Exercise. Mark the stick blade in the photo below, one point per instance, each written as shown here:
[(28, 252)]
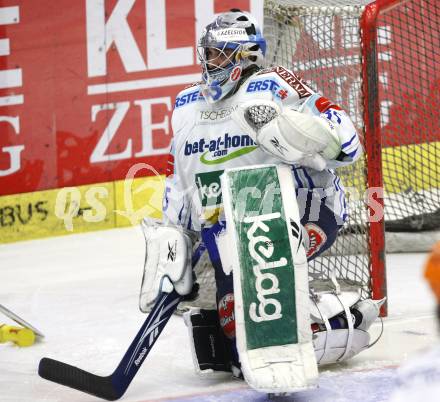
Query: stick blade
[(73, 377)]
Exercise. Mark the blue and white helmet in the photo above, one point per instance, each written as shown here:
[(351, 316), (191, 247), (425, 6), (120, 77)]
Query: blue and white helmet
[(234, 41)]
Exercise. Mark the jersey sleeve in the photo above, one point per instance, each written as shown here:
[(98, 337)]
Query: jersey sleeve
[(351, 148), (177, 206)]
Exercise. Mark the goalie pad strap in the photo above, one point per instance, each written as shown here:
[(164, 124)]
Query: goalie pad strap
[(350, 329), (328, 330), (342, 319), (337, 345)]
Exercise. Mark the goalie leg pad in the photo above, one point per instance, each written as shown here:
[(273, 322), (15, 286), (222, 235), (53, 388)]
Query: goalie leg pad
[(274, 338), (331, 346), (211, 351), (340, 321)]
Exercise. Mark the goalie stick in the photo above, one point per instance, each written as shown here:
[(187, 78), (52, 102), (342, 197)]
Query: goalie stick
[(112, 387)]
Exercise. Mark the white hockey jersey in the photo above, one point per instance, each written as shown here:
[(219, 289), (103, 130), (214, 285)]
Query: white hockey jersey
[(207, 141)]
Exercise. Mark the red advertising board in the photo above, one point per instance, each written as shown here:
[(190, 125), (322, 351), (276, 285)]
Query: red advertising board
[(87, 87)]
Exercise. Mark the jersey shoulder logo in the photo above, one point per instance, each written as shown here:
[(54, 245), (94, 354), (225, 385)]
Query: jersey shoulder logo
[(186, 97), (293, 80)]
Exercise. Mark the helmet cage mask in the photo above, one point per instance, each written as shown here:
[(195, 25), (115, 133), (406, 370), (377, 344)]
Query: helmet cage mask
[(218, 67), (245, 47)]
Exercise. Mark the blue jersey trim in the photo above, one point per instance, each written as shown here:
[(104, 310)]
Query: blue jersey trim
[(346, 144), (351, 154), (297, 178), (180, 212), (309, 178)]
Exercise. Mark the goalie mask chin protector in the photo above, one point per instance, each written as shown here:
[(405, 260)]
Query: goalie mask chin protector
[(227, 47)]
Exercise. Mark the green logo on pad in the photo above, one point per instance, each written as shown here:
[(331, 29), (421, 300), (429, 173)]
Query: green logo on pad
[(267, 271)]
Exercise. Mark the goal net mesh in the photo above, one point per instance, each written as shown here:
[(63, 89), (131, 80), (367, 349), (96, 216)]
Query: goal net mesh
[(322, 42)]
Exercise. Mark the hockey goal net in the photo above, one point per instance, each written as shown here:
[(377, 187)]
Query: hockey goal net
[(380, 61)]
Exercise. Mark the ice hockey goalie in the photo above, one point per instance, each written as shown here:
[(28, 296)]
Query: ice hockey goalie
[(251, 175)]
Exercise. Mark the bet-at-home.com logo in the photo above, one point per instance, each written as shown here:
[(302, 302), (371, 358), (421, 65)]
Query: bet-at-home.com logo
[(220, 150)]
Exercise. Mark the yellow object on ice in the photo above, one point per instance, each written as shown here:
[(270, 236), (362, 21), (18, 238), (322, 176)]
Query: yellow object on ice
[(18, 335)]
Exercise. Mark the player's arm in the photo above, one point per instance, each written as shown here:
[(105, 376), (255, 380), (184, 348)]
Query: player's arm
[(169, 241), (347, 136), (297, 131), (176, 205)]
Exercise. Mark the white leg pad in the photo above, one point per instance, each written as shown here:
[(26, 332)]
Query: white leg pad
[(281, 369), (272, 308)]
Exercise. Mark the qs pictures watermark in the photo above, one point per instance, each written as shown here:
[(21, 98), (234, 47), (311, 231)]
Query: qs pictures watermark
[(133, 198)]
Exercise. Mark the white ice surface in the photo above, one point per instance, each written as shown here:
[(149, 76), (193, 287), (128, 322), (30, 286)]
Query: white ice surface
[(82, 292)]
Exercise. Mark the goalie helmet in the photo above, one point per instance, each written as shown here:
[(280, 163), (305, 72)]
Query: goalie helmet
[(229, 46)]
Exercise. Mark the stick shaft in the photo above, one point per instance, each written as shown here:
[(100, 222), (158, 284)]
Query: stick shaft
[(8, 313), (114, 386)]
